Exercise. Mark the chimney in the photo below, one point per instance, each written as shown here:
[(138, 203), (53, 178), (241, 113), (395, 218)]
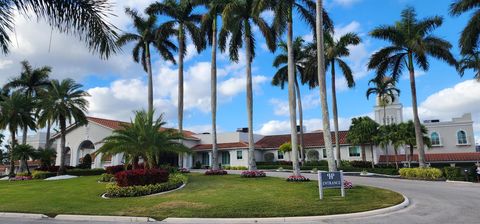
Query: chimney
[(242, 130)]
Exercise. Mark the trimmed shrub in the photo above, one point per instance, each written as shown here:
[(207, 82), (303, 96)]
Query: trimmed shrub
[(297, 179), (361, 164), (421, 173), (141, 177), (316, 163), (168, 168), (453, 173), (114, 169), (197, 165), (215, 172), (23, 174), (253, 174), (174, 182), (106, 177), (84, 172), (277, 163), (235, 168), (53, 168), (86, 162), (37, 174)]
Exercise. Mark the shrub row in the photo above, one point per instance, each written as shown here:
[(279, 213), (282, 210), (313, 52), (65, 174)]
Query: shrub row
[(114, 169), (106, 177), (277, 163), (85, 172), (175, 181), (141, 177), (37, 174), (253, 174), (297, 179), (235, 168), (215, 172), (53, 168), (421, 173)]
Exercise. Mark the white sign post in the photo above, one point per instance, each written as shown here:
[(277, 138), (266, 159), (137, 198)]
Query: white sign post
[(330, 180)]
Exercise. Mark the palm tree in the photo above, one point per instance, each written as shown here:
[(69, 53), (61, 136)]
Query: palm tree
[(209, 28), (362, 132), (46, 112), (281, 76), (327, 135), (386, 92), (470, 61), (15, 112), (407, 130), (239, 17), (46, 157), (184, 23), (471, 33), (335, 50), (24, 152), (31, 82), (69, 103), (144, 137), (85, 19), (383, 139), (148, 33), (412, 42), (396, 136)]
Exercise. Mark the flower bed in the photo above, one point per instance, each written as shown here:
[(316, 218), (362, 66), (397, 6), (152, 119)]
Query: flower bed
[(253, 174), (174, 182), (141, 177), (297, 179), (21, 178), (347, 184), (215, 172)]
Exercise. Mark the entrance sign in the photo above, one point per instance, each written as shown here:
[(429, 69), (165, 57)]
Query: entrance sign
[(330, 180)]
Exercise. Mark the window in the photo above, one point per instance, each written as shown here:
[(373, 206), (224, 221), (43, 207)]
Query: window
[(461, 138), (205, 159), (225, 157), (280, 155), (354, 151), (435, 138), (324, 153), (239, 154)]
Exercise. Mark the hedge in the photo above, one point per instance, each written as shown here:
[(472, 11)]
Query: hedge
[(37, 174), (141, 177), (174, 182), (114, 169), (235, 168), (421, 173), (85, 172)]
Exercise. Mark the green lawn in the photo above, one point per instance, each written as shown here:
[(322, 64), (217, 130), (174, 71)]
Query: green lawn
[(204, 196)]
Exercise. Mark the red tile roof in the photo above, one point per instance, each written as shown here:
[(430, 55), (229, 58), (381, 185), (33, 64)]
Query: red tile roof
[(438, 157), (230, 145), (313, 139)]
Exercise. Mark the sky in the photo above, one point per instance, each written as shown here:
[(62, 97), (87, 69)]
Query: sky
[(118, 85)]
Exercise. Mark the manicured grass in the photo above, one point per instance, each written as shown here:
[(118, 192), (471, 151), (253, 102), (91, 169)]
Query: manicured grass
[(204, 196)]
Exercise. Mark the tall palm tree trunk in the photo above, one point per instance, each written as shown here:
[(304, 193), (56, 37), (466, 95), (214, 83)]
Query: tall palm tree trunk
[(396, 154), (364, 157), (248, 54), (150, 78), (22, 161), (181, 38), (213, 92), (321, 81), (48, 142), (373, 157), (291, 96), (61, 169), (300, 120), (11, 172), (416, 119), (335, 115), (411, 156), (385, 123)]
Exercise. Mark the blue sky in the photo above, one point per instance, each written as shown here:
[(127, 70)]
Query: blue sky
[(117, 86)]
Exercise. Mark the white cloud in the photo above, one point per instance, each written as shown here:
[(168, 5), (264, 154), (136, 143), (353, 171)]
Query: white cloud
[(418, 73), (345, 3), (283, 126), (281, 108)]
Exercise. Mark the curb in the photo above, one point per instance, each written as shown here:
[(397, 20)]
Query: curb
[(459, 182), (382, 211), (87, 218), (22, 215)]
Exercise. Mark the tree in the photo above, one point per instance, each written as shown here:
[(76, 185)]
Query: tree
[(362, 132), (397, 139), (46, 112), (184, 23), (327, 136), (148, 34), (470, 61), (386, 92), (412, 42), (383, 139), (335, 50), (24, 152), (69, 103), (15, 112), (470, 37), (46, 157), (144, 137), (239, 17), (86, 19), (408, 135), (209, 28), (281, 76), (86, 162)]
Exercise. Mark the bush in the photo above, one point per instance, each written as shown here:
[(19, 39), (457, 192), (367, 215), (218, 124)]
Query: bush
[(37, 174), (253, 174), (277, 163), (106, 177), (361, 164), (347, 184), (84, 172), (198, 165), (345, 163), (114, 169), (168, 168), (235, 168), (53, 168), (175, 181), (86, 162), (23, 174), (141, 177), (215, 172), (316, 163), (297, 179), (453, 173), (421, 173)]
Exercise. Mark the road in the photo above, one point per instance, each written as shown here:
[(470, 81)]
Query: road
[(430, 202)]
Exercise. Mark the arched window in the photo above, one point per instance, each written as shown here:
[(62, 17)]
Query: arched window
[(435, 138), (461, 137)]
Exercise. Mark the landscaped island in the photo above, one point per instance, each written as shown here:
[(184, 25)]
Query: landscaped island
[(203, 196)]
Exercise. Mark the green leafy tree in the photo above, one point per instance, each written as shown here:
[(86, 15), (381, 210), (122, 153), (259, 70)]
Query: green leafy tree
[(411, 43), (238, 19), (408, 134), (470, 61), (148, 34), (86, 19), (46, 157), (362, 132), (24, 152), (470, 37), (144, 137), (15, 112), (70, 104)]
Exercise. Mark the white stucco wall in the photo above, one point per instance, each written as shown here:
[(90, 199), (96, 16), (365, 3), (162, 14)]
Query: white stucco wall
[(448, 135)]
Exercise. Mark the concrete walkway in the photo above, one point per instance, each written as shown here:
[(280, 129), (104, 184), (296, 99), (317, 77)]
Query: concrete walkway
[(430, 202)]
